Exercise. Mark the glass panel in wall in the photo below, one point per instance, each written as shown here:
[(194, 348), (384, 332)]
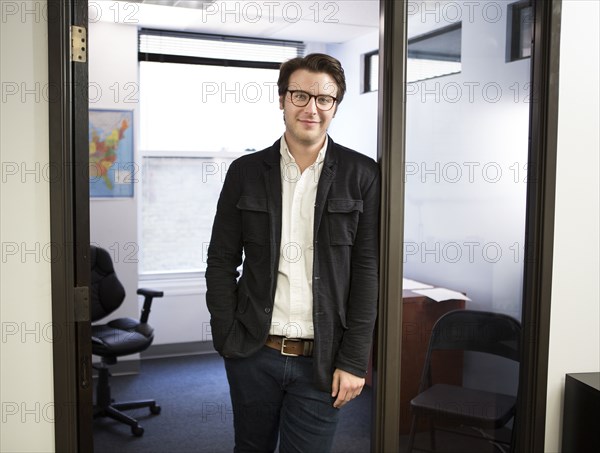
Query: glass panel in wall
[(466, 162)]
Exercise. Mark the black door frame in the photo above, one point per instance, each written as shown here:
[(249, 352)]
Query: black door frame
[(539, 225), (391, 156), (69, 202), (69, 229)]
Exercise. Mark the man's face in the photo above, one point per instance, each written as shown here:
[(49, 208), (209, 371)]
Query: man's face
[(308, 125)]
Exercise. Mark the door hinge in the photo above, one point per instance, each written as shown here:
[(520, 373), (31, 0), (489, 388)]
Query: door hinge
[(78, 44), (84, 371), (82, 303)]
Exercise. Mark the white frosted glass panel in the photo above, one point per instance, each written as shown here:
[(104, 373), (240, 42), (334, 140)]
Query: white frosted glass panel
[(466, 164)]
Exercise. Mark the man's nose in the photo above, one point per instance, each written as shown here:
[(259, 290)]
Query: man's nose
[(311, 106)]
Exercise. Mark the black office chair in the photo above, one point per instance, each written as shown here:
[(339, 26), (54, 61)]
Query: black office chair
[(458, 406), (119, 337)]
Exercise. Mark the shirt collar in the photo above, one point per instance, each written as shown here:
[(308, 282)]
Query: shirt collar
[(287, 157)]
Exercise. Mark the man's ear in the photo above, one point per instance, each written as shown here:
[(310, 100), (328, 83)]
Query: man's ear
[(281, 101)]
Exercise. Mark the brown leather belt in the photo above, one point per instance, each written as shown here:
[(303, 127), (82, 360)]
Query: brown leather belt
[(291, 346)]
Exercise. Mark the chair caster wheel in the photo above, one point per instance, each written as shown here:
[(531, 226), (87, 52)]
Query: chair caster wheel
[(137, 431), (155, 410)]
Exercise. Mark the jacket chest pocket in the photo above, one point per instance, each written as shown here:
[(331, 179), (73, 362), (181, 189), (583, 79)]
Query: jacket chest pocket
[(255, 220), (343, 218)]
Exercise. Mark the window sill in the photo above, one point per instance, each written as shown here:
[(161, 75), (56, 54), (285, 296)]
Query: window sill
[(175, 283)]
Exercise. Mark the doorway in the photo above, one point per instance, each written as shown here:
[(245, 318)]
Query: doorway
[(182, 157), (391, 138)]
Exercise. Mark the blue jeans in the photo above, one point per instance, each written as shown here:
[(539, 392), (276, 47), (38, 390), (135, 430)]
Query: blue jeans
[(274, 396)]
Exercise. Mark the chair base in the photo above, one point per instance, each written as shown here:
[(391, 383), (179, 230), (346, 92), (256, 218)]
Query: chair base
[(106, 407)]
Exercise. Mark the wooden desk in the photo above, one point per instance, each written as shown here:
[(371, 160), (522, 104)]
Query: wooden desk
[(419, 314)]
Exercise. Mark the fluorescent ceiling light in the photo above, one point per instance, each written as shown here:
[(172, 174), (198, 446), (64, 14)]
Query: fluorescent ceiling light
[(193, 4)]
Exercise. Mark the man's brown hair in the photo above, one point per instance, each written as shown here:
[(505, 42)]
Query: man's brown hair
[(314, 62)]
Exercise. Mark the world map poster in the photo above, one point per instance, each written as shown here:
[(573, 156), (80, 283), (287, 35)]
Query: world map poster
[(111, 168)]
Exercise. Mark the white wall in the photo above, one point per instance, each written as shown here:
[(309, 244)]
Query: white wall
[(355, 123), (113, 81), (26, 384), (575, 315)]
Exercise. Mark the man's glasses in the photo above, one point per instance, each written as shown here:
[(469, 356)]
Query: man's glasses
[(302, 98)]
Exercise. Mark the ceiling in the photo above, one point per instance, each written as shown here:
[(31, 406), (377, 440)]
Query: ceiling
[(302, 20)]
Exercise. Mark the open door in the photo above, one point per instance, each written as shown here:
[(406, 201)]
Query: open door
[(69, 187)]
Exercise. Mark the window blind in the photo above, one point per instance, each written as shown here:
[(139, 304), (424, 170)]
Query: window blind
[(225, 49)]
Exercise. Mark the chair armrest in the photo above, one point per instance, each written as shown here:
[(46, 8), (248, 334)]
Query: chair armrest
[(150, 292), (149, 295)]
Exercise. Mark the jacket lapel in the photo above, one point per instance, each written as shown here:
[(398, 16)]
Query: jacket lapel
[(327, 177), (272, 180)]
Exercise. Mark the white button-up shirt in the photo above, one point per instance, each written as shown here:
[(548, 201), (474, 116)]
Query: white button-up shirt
[(292, 311)]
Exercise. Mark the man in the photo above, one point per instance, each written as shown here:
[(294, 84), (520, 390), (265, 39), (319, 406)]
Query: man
[(296, 328)]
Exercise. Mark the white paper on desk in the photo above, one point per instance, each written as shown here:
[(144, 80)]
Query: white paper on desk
[(441, 294), (407, 283)]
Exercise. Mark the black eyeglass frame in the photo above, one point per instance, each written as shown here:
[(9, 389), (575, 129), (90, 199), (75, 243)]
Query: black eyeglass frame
[(310, 96)]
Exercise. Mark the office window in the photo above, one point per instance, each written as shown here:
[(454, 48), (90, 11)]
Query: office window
[(434, 54), (370, 71), (519, 30), (220, 50), (178, 204), (195, 118)]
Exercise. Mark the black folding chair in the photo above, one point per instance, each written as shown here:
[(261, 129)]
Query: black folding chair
[(452, 405)]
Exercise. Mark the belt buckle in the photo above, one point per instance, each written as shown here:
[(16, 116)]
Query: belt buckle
[(283, 340)]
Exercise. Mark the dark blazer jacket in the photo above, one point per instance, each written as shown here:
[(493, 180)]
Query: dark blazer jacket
[(345, 268)]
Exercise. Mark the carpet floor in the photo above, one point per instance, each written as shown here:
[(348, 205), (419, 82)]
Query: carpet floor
[(196, 411), (196, 414)]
